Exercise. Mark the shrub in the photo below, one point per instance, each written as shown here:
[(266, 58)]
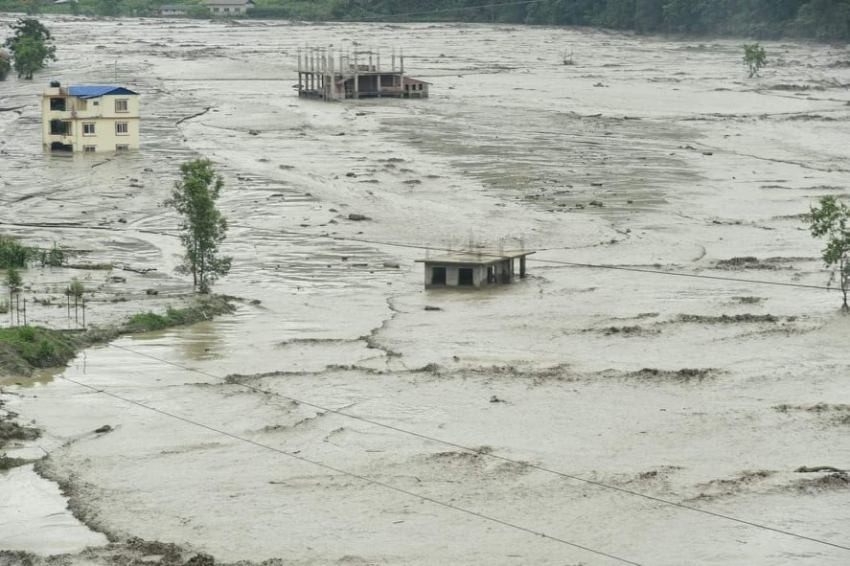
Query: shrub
[(13, 253), (39, 347), (147, 322)]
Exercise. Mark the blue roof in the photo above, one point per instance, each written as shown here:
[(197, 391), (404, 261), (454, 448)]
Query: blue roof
[(94, 91)]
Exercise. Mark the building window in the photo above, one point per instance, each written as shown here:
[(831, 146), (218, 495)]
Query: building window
[(122, 147), (82, 104), (88, 128), (89, 148), (60, 128), (57, 104), (96, 103), (122, 128), (438, 276), (121, 105)]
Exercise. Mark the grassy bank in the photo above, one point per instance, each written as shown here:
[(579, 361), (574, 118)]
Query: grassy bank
[(26, 349)]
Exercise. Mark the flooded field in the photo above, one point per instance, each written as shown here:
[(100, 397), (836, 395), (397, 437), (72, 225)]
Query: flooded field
[(626, 416)]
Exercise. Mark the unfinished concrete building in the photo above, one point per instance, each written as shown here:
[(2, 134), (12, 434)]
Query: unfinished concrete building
[(475, 269), (327, 75)]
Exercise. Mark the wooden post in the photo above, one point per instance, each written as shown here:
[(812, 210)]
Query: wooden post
[(300, 84), (522, 267)]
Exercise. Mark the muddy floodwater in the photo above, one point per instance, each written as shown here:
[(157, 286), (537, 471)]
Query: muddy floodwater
[(329, 420)]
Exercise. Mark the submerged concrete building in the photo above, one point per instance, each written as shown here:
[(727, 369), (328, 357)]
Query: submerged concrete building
[(474, 269), (89, 118), (325, 75)]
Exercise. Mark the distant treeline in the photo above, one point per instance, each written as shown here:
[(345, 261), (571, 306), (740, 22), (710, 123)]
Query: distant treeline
[(827, 20)]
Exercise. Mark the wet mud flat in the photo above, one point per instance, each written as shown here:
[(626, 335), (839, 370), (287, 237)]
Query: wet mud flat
[(352, 417)]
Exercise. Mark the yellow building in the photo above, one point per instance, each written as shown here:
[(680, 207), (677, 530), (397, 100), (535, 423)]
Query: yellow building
[(90, 118)]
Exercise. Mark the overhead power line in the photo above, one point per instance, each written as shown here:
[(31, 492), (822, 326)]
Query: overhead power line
[(600, 265), (493, 455), (355, 475), (545, 261)]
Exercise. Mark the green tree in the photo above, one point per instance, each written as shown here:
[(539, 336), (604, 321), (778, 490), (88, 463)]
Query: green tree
[(31, 47), (203, 228), (108, 7), (75, 288), (13, 281), (831, 221), (30, 57), (5, 65), (28, 27), (649, 15), (755, 57), (32, 7)]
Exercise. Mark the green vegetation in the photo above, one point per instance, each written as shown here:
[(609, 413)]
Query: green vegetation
[(202, 228), (35, 347), (831, 221), (202, 310), (5, 65), (31, 47), (75, 289), (54, 257), (13, 280), (26, 348), (826, 20), (755, 57), (13, 253)]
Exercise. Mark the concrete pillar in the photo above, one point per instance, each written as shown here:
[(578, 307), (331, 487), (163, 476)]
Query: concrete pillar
[(401, 70), (379, 73), (312, 70), (300, 78), (332, 89), (356, 77)]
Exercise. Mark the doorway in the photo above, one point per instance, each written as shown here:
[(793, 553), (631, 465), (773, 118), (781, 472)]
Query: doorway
[(464, 277), (438, 276)]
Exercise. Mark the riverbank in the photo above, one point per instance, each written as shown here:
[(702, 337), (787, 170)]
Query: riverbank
[(26, 349)]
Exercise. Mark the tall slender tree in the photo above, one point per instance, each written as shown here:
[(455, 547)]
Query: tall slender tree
[(203, 228), (831, 221)]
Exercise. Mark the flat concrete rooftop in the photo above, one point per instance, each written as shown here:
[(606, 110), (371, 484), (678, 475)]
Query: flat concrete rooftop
[(483, 257)]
